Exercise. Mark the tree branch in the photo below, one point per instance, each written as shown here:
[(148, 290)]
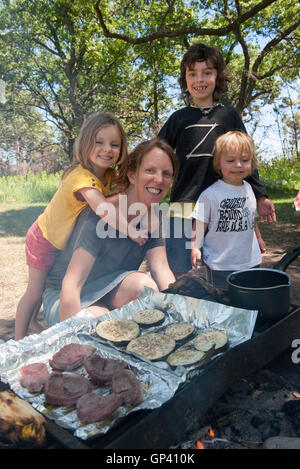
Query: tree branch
[(179, 32), (169, 9), (273, 43)]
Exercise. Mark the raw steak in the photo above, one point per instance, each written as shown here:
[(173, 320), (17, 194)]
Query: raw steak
[(34, 376), (125, 383), (71, 356), (65, 389), (101, 369), (92, 408)]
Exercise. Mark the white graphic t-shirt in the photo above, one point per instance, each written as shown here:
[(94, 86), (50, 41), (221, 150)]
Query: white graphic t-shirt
[(230, 242)]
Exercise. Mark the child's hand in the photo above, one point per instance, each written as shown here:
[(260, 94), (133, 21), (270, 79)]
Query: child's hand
[(262, 245), (196, 258)]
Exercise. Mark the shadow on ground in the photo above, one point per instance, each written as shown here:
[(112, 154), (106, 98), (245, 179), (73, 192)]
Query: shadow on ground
[(15, 222), (7, 329)]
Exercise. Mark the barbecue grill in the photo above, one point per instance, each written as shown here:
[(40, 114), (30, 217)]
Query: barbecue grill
[(168, 424)]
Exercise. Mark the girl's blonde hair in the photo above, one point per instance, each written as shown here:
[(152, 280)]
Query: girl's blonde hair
[(237, 140), (86, 141)]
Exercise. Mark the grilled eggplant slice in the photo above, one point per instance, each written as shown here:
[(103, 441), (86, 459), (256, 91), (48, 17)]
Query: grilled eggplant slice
[(180, 331), (185, 356), (149, 317), (118, 330), (152, 346), (205, 340)]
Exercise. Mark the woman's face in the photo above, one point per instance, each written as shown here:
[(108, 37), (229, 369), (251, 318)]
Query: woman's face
[(153, 178)]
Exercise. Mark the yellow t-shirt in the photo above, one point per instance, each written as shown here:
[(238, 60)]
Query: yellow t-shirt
[(59, 217), (181, 209)]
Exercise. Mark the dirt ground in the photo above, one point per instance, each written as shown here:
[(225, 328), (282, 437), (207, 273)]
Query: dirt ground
[(278, 237)]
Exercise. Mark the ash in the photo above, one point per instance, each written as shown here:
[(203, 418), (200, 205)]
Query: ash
[(261, 411)]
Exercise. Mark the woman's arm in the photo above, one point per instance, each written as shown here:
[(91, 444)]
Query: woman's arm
[(77, 272), (159, 267)]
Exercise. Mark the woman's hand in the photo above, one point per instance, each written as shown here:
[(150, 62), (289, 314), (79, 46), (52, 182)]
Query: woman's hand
[(159, 267)]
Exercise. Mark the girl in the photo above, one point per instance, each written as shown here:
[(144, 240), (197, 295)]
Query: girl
[(100, 146), (192, 131), (227, 210), (101, 273)]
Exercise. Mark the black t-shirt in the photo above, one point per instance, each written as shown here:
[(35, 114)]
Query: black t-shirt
[(192, 135)]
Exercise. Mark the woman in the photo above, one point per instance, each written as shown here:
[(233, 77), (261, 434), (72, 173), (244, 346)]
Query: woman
[(101, 273)]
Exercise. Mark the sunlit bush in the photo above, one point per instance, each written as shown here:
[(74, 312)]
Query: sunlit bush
[(281, 174)]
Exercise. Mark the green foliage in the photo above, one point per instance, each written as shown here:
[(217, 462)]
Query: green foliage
[(67, 58), (281, 174), (31, 188)]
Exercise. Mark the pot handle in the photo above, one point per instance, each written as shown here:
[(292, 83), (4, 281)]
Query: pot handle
[(290, 255)]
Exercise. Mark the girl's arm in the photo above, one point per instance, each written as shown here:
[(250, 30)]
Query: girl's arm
[(159, 267), (94, 198), (77, 272)]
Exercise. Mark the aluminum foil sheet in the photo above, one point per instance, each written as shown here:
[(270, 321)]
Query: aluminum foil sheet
[(159, 381)]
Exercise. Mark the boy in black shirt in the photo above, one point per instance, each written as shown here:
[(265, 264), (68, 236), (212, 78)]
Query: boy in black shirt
[(192, 132)]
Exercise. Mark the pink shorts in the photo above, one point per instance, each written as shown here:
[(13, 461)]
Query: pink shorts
[(40, 254)]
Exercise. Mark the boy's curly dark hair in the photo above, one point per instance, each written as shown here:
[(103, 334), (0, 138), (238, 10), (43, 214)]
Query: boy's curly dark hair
[(199, 52)]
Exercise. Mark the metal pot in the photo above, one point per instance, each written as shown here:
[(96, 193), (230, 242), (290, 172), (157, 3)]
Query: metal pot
[(265, 290)]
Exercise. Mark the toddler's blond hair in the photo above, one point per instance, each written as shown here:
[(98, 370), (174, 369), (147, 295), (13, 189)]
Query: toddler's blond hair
[(233, 139)]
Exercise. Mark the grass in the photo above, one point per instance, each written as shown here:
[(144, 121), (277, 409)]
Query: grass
[(284, 203), (17, 217), (23, 198), (33, 188)]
